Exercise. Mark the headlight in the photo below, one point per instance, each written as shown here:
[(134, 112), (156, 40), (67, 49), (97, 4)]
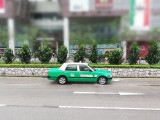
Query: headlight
[(110, 75)]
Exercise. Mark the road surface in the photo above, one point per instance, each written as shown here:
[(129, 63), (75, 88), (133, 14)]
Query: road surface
[(35, 98)]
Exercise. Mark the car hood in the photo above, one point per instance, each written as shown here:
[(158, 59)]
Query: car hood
[(103, 71), (53, 69)]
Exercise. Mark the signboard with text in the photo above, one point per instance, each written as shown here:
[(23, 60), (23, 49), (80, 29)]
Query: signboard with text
[(1, 51), (103, 4), (79, 5)]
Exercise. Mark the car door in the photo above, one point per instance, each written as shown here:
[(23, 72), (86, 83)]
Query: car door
[(86, 74), (72, 72)]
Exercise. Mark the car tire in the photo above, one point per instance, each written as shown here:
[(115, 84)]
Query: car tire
[(62, 80), (102, 80)]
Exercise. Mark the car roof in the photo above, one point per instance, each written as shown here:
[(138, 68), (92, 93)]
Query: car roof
[(76, 63)]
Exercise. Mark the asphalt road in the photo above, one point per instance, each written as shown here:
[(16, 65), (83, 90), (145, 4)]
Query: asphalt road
[(28, 98)]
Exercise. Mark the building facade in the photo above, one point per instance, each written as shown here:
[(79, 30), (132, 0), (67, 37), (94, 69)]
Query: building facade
[(46, 16), (109, 23), (11, 13)]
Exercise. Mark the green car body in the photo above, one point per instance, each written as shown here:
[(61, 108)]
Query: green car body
[(79, 72)]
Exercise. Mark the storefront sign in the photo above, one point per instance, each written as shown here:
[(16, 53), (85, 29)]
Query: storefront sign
[(103, 4), (101, 48), (79, 5), (2, 6), (1, 51)]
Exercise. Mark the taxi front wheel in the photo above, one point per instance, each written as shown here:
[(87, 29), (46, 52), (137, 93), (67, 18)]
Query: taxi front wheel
[(102, 80), (62, 80)]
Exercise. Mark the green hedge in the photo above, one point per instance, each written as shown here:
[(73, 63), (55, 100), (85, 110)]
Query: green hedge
[(92, 65), (29, 65), (121, 66)]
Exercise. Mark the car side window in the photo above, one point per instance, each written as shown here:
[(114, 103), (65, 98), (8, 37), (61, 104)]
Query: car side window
[(71, 68), (84, 68)]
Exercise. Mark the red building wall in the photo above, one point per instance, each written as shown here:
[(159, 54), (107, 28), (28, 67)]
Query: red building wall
[(143, 45)]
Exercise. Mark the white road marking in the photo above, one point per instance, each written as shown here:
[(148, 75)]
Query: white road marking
[(108, 93), (110, 108), (3, 105), (96, 93), (98, 108), (22, 84), (126, 93), (115, 80)]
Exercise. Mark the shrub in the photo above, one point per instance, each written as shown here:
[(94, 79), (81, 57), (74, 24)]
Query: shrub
[(153, 55), (92, 65), (44, 54), (62, 54), (79, 55), (115, 56), (94, 55), (8, 56), (24, 54), (30, 65), (134, 52)]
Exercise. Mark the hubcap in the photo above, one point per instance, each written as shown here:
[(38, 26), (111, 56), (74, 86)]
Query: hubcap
[(62, 80), (102, 80)]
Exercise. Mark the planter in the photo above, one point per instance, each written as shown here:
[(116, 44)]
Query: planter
[(116, 72)]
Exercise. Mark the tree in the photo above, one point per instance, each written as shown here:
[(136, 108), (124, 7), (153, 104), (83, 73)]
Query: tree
[(29, 33), (3, 36), (134, 53), (94, 55), (153, 55), (44, 54), (62, 54), (79, 55), (24, 54), (8, 56), (115, 56), (81, 35), (154, 33)]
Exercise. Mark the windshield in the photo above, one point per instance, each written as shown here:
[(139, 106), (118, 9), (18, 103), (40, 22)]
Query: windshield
[(92, 68)]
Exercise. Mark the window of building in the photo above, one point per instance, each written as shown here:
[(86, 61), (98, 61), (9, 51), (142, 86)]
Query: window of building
[(49, 16)]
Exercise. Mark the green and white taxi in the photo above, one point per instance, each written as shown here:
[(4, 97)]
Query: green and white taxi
[(79, 72)]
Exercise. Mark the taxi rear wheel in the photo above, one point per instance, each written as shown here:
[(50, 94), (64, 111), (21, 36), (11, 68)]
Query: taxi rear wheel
[(102, 80), (62, 80)]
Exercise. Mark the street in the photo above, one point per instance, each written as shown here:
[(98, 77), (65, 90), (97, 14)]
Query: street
[(36, 98)]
